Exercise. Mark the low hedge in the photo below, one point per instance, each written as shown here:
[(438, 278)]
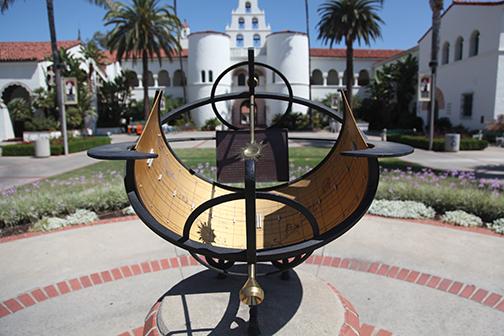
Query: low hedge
[(74, 145), (438, 144)]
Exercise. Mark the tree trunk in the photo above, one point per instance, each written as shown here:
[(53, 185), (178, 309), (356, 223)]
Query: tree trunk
[(57, 73), (181, 64), (145, 83), (349, 70)]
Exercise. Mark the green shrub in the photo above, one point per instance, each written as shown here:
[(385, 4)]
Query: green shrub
[(19, 109), (210, 124), (438, 144), (37, 124), (462, 218), (294, 121), (444, 197), (73, 118), (74, 145), (401, 209), (497, 226)]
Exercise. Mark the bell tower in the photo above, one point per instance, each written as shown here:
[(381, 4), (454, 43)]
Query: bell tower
[(248, 26)]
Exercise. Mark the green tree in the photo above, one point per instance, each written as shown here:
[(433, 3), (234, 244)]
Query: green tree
[(143, 30), (114, 101), (349, 21), (392, 92), (4, 6)]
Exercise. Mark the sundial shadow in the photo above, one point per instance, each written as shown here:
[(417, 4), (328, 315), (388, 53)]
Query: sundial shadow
[(206, 305)]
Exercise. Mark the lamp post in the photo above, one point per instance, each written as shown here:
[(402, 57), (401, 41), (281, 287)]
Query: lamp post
[(436, 7), (57, 67), (307, 16)]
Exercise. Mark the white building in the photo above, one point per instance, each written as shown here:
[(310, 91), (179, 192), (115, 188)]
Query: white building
[(23, 66), (470, 80), (209, 53)]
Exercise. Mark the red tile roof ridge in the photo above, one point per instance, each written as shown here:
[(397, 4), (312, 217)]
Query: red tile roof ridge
[(22, 51), (358, 53)]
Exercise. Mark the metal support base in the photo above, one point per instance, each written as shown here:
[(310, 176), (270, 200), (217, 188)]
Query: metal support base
[(253, 324), (221, 276), (285, 275)]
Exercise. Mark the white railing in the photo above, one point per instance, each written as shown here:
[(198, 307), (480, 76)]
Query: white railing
[(243, 52)]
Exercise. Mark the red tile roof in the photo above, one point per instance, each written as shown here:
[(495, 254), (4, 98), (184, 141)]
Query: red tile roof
[(30, 51), (110, 56), (358, 53)]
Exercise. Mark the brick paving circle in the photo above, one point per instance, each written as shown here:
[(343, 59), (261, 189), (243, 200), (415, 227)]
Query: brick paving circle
[(352, 326)]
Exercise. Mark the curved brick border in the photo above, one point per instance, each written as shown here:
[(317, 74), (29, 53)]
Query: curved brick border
[(66, 228), (351, 326), (480, 230), (27, 299), (439, 223), (466, 291)]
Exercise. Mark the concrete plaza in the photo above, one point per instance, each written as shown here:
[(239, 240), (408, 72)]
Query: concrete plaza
[(402, 278)]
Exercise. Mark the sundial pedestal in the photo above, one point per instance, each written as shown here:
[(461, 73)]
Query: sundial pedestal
[(204, 305)]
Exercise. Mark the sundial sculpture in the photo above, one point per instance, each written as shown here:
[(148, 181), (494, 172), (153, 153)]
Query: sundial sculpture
[(217, 224)]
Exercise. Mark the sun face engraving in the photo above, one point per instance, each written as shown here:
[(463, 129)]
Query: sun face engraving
[(206, 233)]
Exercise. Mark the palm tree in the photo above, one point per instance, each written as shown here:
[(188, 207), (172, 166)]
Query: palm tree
[(349, 21), (143, 30), (5, 4)]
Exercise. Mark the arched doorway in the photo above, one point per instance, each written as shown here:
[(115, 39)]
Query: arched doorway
[(13, 91), (241, 113)]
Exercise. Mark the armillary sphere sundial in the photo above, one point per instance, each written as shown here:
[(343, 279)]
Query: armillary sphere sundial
[(218, 224)]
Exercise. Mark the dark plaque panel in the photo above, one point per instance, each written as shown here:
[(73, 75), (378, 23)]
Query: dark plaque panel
[(273, 164)]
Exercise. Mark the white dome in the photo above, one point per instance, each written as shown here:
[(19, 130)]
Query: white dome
[(209, 56), (288, 52)]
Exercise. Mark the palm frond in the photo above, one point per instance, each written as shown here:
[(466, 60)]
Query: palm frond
[(5, 4)]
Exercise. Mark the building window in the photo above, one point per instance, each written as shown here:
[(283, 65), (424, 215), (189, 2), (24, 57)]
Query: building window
[(257, 41), (203, 76), (210, 76), (241, 79), (163, 78), (179, 78), (474, 44), (132, 79), (363, 78), (459, 48), (255, 23), (467, 105), (317, 78), (241, 23), (332, 77), (239, 41), (248, 7), (446, 53)]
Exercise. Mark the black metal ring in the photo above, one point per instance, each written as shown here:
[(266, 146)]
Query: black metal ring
[(225, 72), (241, 195), (214, 267)]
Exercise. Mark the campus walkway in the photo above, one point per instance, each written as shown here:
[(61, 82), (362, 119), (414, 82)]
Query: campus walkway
[(403, 278), (16, 171)]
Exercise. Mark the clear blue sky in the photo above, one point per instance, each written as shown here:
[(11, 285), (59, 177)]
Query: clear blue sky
[(26, 20)]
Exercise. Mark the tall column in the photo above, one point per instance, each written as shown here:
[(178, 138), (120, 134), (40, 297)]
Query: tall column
[(340, 79), (140, 83), (156, 83), (356, 80), (325, 78)]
